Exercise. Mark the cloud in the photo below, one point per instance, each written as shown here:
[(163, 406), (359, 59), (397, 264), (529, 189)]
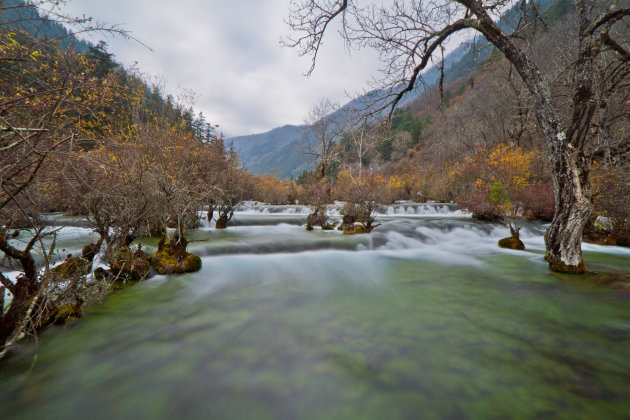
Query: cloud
[(228, 53)]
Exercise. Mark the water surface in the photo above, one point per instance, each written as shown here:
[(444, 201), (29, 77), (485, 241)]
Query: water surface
[(424, 318)]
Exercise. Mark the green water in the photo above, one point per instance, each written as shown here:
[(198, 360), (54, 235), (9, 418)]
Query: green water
[(392, 330)]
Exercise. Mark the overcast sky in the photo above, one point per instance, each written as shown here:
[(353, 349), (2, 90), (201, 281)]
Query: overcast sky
[(228, 53)]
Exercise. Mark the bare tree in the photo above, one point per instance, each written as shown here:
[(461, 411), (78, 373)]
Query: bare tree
[(47, 94), (407, 34), (323, 129), (364, 138)]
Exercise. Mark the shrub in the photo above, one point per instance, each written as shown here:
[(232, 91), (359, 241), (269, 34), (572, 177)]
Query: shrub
[(500, 182), (538, 201)]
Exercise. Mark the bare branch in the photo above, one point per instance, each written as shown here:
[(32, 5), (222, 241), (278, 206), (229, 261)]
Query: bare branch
[(311, 18), (607, 20)]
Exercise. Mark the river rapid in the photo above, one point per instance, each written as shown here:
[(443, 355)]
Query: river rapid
[(426, 317)]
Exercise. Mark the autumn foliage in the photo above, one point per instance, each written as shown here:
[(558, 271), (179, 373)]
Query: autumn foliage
[(502, 181)]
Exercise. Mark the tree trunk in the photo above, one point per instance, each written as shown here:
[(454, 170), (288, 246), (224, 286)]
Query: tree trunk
[(563, 238), (24, 290), (569, 166)]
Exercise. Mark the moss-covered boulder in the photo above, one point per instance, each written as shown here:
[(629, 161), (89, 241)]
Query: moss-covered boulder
[(134, 266), (191, 263), (100, 274), (358, 228), (512, 242), (89, 251), (318, 218), (67, 312), (221, 222), (329, 226), (168, 260), (347, 222), (607, 231), (72, 267)]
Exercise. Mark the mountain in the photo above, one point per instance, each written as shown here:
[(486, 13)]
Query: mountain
[(19, 13), (281, 150)]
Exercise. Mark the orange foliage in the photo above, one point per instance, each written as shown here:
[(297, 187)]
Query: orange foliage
[(271, 189)]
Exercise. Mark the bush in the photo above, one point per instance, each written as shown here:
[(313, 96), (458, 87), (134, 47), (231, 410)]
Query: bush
[(478, 202), (538, 201), (494, 184), (271, 189)]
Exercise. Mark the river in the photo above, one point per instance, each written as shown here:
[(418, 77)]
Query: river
[(426, 317)]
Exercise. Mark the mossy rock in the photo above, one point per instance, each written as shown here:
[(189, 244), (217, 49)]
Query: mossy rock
[(168, 262), (67, 312), (329, 226), (192, 263), (347, 223), (221, 223), (511, 243), (89, 251), (95, 293), (133, 266), (357, 229), (72, 267), (100, 274)]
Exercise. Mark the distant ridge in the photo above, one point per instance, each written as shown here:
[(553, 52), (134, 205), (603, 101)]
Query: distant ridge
[(281, 150), (276, 151), (29, 20)]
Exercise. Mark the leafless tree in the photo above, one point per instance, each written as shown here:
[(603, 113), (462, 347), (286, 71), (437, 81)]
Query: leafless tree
[(408, 34), (46, 93), (364, 137), (322, 131)]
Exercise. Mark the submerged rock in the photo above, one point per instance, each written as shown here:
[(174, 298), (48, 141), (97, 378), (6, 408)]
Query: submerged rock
[(170, 260), (72, 267), (328, 226), (318, 218), (222, 221), (347, 222), (67, 312), (358, 228), (512, 243), (134, 266)]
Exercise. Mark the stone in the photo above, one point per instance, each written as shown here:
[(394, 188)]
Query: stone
[(512, 243)]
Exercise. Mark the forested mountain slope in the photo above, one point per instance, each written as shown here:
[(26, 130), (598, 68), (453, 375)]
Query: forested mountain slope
[(15, 13), (281, 151)]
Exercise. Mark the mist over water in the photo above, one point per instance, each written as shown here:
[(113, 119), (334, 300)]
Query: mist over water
[(426, 317)]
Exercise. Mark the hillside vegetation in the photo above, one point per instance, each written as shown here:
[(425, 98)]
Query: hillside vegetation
[(475, 141), (85, 136)]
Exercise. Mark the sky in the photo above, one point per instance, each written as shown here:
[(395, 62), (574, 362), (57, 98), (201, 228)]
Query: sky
[(228, 53)]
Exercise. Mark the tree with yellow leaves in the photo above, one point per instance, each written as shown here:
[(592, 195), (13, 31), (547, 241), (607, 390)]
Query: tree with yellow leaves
[(47, 99)]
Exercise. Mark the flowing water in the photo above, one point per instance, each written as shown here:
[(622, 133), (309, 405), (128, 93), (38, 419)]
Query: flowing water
[(424, 318)]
